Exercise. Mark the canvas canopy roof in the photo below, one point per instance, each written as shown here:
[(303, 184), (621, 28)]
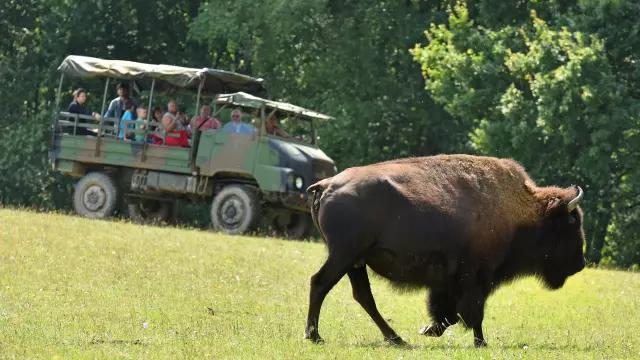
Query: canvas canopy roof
[(169, 78), (248, 100)]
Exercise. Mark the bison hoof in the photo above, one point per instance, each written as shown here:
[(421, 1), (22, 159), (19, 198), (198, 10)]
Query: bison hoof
[(479, 343), (396, 340), (432, 330), (314, 337)]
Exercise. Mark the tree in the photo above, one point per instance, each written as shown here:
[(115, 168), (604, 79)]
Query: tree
[(347, 59), (546, 96), (37, 36)]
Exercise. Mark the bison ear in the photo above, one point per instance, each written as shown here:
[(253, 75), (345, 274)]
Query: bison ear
[(555, 206), (563, 202), (557, 211)]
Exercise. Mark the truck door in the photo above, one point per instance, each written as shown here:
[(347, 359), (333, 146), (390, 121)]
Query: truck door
[(229, 151)]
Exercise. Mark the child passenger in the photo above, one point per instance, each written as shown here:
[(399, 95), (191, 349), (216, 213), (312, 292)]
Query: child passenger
[(130, 107), (141, 122)]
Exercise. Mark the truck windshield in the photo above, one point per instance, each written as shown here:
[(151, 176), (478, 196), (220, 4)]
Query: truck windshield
[(299, 129)]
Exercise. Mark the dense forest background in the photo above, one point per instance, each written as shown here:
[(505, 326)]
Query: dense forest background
[(550, 83)]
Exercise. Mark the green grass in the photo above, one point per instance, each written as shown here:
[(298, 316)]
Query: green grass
[(77, 288)]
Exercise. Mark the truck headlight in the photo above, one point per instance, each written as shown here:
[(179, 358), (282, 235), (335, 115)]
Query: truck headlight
[(299, 182)]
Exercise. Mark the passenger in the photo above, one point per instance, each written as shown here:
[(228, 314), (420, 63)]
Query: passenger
[(172, 123), (130, 108), (77, 107), (141, 124), (209, 122), (237, 126), (273, 129), (157, 117), (255, 117), (116, 106)]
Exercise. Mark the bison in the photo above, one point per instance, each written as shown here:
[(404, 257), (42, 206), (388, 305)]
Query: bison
[(459, 225)]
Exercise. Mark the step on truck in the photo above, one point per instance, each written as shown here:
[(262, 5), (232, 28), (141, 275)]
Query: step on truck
[(248, 171)]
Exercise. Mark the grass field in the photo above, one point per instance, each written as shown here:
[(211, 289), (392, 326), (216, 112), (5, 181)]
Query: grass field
[(77, 288)]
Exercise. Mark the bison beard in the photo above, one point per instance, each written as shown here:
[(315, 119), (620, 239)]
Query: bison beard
[(459, 225)]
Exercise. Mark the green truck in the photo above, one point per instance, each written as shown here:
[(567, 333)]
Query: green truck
[(249, 177)]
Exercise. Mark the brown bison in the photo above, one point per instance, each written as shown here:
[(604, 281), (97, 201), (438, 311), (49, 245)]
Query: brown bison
[(459, 225)]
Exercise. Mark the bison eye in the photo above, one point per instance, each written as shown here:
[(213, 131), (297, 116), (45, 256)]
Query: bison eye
[(572, 220)]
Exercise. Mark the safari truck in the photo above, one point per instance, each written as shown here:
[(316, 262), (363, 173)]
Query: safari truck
[(247, 178)]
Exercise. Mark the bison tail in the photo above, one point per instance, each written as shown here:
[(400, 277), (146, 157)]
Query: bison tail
[(317, 190)]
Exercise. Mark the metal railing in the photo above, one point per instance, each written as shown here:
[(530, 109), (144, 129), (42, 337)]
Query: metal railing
[(109, 131), (104, 130)]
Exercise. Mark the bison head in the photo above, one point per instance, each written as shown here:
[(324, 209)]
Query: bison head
[(562, 242)]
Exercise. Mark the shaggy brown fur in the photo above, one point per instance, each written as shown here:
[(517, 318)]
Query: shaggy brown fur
[(460, 225)]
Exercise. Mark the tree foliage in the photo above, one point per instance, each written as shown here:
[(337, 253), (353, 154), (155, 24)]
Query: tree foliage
[(348, 59), (550, 83), (547, 94)]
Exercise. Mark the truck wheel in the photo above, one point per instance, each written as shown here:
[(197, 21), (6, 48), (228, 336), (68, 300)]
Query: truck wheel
[(149, 211), (235, 210), (294, 226), (173, 213), (95, 196)]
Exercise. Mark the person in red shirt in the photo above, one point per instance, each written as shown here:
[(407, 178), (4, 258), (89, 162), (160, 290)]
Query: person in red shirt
[(209, 122)]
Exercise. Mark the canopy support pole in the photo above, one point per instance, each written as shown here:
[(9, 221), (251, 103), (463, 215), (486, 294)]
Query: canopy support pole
[(146, 128), (56, 117), (196, 134), (104, 103), (262, 120), (153, 84), (104, 96), (314, 132), (218, 111), (59, 92)]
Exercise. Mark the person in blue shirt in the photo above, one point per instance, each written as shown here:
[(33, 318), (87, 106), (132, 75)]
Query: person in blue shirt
[(237, 126), (130, 109), (116, 106)]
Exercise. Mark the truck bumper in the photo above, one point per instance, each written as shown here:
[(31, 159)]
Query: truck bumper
[(297, 201)]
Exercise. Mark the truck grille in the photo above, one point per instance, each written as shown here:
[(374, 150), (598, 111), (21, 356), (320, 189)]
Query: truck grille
[(322, 170)]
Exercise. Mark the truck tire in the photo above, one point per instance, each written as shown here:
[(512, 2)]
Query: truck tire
[(173, 212), (147, 211), (299, 227), (235, 210), (95, 196)]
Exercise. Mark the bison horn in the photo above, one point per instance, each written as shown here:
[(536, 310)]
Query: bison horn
[(573, 203)]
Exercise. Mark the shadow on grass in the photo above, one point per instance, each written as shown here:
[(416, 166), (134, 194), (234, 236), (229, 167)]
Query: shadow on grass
[(215, 312), (548, 347), (383, 344), (117, 342), (444, 346)]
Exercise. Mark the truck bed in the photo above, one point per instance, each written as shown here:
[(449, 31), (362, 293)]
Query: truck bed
[(120, 153)]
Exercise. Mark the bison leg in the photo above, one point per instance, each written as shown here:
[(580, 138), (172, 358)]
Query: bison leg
[(362, 294), (471, 309), (321, 283), (442, 308)]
